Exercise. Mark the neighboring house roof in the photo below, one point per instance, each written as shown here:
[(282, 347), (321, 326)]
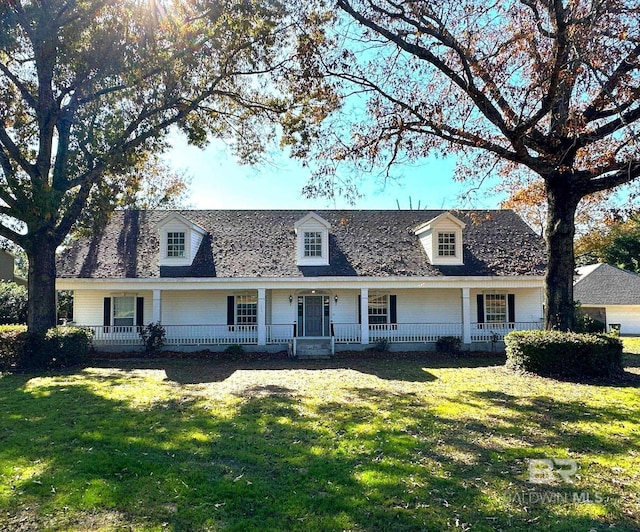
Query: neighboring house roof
[(603, 284), (241, 243)]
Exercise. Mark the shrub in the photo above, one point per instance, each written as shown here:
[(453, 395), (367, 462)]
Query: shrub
[(12, 339), (13, 303), (59, 347), (564, 353), (381, 346), (234, 349), (68, 345), (154, 336), (449, 344)]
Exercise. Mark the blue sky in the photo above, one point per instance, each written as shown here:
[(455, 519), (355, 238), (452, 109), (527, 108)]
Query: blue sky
[(219, 182)]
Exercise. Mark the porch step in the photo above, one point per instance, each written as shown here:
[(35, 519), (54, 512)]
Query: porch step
[(313, 348)]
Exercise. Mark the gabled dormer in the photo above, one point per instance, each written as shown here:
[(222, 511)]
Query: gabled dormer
[(312, 240), (179, 240), (441, 238)]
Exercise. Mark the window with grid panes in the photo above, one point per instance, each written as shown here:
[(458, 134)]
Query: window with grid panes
[(446, 244), (495, 308), (246, 309), (378, 309), (312, 244), (175, 244)]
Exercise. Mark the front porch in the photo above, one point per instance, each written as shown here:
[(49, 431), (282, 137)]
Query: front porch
[(411, 317)]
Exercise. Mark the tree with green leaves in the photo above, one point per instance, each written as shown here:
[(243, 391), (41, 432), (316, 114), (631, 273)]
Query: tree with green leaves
[(617, 243), (88, 89), (548, 87)]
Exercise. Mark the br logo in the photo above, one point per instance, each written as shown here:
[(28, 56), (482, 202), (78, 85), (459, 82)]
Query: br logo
[(548, 470)]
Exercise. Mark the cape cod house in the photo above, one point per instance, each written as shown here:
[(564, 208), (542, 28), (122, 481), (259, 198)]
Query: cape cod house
[(322, 280)]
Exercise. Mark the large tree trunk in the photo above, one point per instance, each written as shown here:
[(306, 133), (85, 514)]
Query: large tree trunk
[(559, 305), (42, 285)]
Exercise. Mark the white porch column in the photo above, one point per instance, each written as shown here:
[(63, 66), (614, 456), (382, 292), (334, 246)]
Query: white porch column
[(466, 317), (157, 306), (364, 316), (262, 317)]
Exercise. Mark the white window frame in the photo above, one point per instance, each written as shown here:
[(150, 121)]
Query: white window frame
[(447, 244), (131, 311), (176, 249), (379, 304), (494, 307), (246, 307), (312, 244)]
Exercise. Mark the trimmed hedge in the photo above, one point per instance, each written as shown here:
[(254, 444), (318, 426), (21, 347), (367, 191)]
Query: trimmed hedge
[(12, 340), (59, 347), (556, 353)]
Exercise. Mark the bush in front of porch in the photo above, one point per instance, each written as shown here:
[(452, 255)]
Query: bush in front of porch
[(567, 354), (59, 347)]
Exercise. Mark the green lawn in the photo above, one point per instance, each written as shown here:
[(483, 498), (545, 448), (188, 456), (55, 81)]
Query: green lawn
[(417, 443), (631, 345)]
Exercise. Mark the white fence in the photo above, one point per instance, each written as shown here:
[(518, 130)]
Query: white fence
[(495, 332), (347, 333), (279, 333), (343, 333), (178, 335), (413, 332)]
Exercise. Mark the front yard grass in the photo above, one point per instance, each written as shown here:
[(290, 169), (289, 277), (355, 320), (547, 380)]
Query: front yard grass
[(631, 344), (407, 443)]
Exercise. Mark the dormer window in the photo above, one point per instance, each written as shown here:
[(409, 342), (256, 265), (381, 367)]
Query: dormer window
[(441, 238), (446, 244), (312, 244), (175, 244), (180, 240), (312, 240)]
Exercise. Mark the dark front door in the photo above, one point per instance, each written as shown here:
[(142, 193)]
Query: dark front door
[(313, 315)]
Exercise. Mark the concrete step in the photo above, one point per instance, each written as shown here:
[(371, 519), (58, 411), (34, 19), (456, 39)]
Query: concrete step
[(313, 348)]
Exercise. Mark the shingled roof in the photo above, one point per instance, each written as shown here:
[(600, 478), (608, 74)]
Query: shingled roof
[(603, 284), (242, 243)]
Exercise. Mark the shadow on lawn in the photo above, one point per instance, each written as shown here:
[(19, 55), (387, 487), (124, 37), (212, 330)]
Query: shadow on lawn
[(392, 366), (383, 461)]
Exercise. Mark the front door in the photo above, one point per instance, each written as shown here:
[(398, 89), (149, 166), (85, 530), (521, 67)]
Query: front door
[(313, 315)]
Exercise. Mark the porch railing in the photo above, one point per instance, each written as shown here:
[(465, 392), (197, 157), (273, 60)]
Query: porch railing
[(115, 335), (495, 332), (211, 334), (279, 333), (346, 333), (343, 333), (413, 332)]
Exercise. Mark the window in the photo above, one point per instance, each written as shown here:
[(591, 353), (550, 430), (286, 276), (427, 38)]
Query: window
[(312, 244), (495, 308), (446, 244), (246, 309), (124, 311), (378, 309), (175, 244)]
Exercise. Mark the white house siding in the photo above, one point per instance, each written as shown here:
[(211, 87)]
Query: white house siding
[(281, 310), (196, 238), (628, 316), (88, 305), (194, 307), (439, 305)]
